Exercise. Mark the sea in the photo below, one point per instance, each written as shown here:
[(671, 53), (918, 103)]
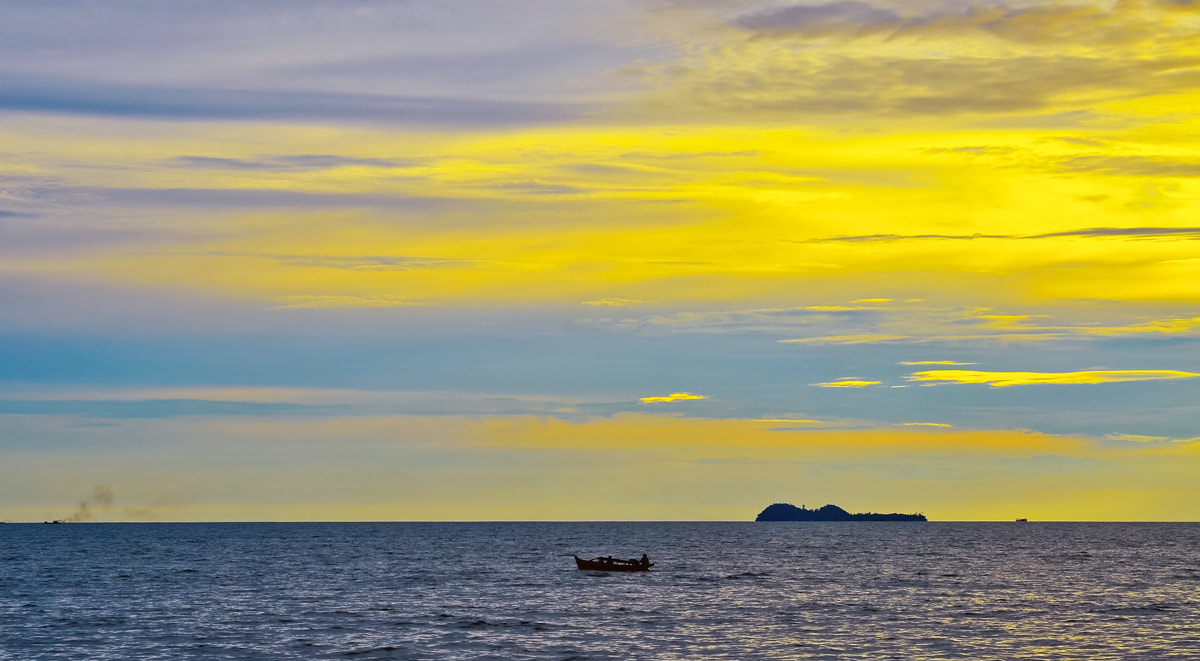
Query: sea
[(511, 591)]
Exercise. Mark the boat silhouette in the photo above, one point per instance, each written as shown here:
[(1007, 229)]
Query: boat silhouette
[(609, 563)]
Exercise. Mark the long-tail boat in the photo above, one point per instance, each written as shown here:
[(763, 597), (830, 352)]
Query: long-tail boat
[(609, 563)]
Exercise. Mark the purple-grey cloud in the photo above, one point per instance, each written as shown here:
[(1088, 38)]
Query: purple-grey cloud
[(817, 20), (26, 93), (226, 198), (357, 262), (286, 162), (849, 19), (1134, 166), (1179, 232)]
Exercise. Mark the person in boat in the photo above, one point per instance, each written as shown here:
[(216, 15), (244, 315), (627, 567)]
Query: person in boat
[(645, 560)]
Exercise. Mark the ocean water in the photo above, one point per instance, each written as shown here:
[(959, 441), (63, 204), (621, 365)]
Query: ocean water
[(511, 591)]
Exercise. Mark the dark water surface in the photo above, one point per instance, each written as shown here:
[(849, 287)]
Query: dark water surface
[(506, 591)]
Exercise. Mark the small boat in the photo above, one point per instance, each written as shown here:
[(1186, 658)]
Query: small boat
[(609, 563), (1022, 520)]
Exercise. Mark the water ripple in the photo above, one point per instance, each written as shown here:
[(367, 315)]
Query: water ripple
[(510, 591)]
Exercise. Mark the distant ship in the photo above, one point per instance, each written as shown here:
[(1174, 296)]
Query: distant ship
[(1022, 520)]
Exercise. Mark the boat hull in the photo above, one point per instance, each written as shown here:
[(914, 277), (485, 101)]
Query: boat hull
[(616, 565)]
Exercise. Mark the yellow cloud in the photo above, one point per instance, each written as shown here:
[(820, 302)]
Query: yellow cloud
[(1004, 379), (898, 219), (924, 424), (847, 383), (673, 397), (645, 430)]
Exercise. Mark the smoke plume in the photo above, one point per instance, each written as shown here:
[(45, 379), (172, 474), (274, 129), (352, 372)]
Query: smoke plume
[(101, 499)]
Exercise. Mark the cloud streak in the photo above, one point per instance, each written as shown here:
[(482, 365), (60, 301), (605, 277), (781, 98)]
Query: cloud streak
[(26, 93), (864, 338), (1038, 25), (848, 382), (286, 162), (1130, 166), (360, 263), (901, 60), (673, 397), (1165, 233), (159, 408), (248, 198), (1006, 379)]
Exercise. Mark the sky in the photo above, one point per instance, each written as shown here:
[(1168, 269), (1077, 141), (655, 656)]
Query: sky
[(599, 259)]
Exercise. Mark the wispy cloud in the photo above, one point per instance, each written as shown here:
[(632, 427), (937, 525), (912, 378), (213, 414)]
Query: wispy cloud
[(864, 238), (865, 338), (29, 93), (900, 60), (673, 397), (339, 301), (1166, 327), (536, 188), (1128, 232), (159, 408), (1044, 25), (932, 362), (1131, 166), (362, 263), (613, 302), (906, 323), (847, 382), (1005, 379), (1136, 438), (286, 162), (244, 198), (847, 17), (1114, 232)]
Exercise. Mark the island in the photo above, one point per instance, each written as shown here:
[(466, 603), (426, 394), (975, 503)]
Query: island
[(787, 512)]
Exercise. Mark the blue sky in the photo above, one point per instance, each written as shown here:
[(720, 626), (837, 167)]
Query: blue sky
[(292, 260)]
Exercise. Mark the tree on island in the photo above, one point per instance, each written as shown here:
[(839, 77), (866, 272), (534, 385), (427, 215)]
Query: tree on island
[(788, 512)]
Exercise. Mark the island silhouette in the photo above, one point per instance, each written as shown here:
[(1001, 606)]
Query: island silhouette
[(789, 512)]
